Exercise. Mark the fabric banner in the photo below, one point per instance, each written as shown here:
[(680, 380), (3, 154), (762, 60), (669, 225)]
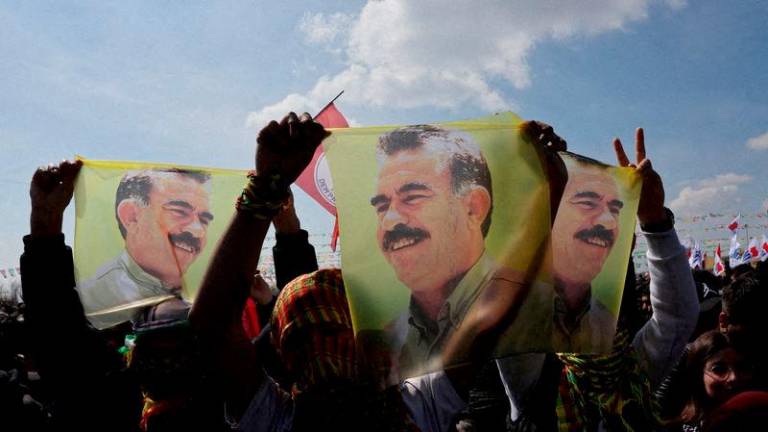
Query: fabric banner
[(145, 232), (450, 253)]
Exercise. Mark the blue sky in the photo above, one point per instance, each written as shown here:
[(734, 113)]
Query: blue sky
[(191, 83)]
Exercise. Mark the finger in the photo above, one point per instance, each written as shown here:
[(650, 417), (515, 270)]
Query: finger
[(644, 167), (268, 132), (621, 156), (287, 117), (69, 170), (639, 145), (305, 117), (293, 122)]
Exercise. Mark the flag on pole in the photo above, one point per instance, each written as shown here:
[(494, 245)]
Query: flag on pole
[(697, 260), (734, 225), (733, 252), (316, 179), (719, 268), (764, 249), (753, 249)]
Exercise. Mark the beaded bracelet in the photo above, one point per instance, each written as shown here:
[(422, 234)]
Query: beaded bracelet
[(263, 197)]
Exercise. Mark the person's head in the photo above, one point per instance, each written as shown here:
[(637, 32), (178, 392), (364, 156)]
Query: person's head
[(311, 315), (717, 366), (744, 301), (434, 201), (163, 215), (587, 222)]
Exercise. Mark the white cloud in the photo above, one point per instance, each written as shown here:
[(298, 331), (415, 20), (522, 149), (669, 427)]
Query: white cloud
[(325, 28), (716, 193), (408, 54), (759, 142)]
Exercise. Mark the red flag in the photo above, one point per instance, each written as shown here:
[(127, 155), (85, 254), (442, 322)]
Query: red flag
[(734, 225), (753, 248), (719, 268), (316, 178)]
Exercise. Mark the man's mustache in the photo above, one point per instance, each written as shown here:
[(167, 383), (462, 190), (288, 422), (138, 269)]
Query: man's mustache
[(401, 232), (596, 233), (187, 239)]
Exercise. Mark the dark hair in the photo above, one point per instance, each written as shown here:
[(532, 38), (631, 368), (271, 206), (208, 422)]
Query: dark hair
[(697, 354), (744, 300), (138, 184), (467, 165)]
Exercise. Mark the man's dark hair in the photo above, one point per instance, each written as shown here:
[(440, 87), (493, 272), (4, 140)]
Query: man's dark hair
[(467, 165), (744, 300), (138, 184)]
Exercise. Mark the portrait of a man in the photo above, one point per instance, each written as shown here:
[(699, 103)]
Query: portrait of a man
[(434, 202), (163, 217), (583, 235)]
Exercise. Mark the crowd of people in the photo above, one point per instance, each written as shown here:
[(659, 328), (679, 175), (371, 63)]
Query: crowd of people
[(687, 354)]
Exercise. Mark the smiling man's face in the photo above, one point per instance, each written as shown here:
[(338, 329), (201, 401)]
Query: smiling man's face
[(587, 224), (170, 232), (422, 224)]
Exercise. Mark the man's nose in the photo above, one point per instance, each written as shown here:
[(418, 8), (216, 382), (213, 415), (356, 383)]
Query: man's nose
[(196, 228), (393, 216), (606, 218)]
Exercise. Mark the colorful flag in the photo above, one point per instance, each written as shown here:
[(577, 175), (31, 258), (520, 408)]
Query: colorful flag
[(753, 249), (733, 252), (734, 225), (719, 268), (696, 260), (764, 249)]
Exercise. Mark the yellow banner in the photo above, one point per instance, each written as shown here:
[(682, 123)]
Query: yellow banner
[(145, 232)]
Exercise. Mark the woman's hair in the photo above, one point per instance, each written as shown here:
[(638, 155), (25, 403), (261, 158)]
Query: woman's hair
[(697, 354)]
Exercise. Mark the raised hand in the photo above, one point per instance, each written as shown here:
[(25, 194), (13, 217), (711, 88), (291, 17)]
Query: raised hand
[(286, 148), (651, 207), (547, 144), (51, 191)]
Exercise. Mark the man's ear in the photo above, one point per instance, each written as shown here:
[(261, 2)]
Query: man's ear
[(723, 322), (128, 213), (478, 202)]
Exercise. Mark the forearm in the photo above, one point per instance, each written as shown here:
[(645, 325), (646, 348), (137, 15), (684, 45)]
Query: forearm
[(675, 305), (226, 283), (216, 313)]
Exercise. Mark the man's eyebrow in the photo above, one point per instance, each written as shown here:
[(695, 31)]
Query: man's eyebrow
[(413, 186), (180, 203), (587, 194), (616, 203), (379, 199), (207, 216)]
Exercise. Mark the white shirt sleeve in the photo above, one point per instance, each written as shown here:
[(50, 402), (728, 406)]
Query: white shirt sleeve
[(660, 342)]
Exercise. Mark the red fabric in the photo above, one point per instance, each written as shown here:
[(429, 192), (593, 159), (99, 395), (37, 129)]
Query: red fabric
[(251, 319), (335, 235), (329, 117)]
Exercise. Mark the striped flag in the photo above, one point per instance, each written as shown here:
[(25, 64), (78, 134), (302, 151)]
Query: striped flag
[(719, 267)]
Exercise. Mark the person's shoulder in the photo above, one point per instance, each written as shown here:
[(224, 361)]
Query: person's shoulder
[(106, 272)]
